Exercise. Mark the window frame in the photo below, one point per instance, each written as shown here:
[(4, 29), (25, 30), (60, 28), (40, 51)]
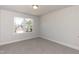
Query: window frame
[(23, 20)]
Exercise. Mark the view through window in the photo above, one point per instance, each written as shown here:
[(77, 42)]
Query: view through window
[(22, 25)]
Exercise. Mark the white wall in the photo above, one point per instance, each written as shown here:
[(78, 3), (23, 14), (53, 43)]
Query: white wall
[(7, 27), (0, 25), (62, 26)]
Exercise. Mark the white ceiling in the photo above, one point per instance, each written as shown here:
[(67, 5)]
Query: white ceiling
[(43, 9)]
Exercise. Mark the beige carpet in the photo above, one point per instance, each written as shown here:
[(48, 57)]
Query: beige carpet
[(36, 46)]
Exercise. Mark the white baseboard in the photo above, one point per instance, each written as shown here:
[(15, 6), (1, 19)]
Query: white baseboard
[(12, 41), (45, 37), (62, 43)]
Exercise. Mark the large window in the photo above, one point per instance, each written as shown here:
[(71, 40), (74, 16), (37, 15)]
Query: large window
[(22, 25)]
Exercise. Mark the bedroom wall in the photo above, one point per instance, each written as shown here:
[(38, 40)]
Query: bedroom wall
[(7, 27), (0, 25), (61, 26)]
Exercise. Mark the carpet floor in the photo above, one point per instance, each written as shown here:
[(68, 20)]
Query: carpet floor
[(36, 46)]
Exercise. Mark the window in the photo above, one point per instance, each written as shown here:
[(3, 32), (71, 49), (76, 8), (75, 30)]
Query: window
[(22, 25)]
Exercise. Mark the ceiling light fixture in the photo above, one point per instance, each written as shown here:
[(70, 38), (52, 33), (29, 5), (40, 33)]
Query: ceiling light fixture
[(35, 6)]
